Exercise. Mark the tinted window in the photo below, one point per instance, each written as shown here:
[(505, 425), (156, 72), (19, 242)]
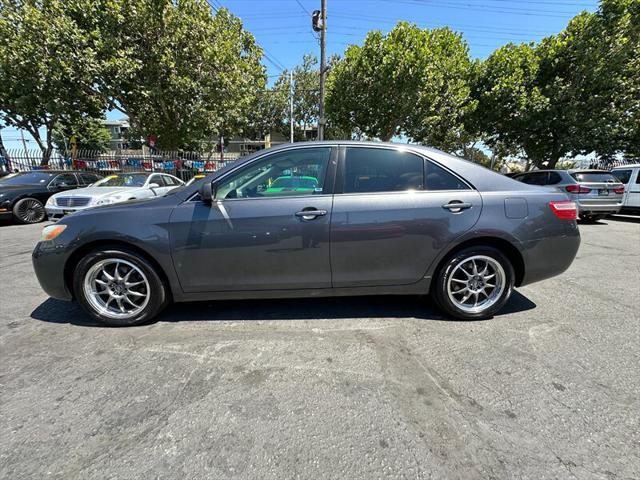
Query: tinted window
[(536, 178), (554, 178), (290, 173), (65, 179), (439, 179), (594, 177), (89, 178), (623, 175), (382, 170), (157, 179)]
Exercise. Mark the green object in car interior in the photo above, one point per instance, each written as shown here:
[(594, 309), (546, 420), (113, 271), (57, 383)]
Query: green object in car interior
[(290, 183)]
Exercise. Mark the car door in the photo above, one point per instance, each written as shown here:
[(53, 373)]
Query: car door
[(393, 212), (254, 235), (630, 178), (161, 189)]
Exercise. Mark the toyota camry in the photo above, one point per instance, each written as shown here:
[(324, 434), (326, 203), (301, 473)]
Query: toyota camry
[(360, 218)]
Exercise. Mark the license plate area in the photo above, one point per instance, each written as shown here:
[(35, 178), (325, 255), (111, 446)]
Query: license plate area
[(603, 192), (67, 212)]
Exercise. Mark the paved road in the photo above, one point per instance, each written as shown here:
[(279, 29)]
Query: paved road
[(343, 388)]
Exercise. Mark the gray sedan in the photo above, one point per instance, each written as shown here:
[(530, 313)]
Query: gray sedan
[(315, 219), (596, 192)]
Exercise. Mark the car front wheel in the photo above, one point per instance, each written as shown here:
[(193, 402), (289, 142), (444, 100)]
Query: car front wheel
[(118, 287), (29, 210), (474, 283)]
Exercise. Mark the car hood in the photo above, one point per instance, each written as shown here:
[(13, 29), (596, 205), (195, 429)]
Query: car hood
[(98, 192)]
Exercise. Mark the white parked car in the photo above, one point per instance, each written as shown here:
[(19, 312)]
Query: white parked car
[(116, 188), (629, 175)]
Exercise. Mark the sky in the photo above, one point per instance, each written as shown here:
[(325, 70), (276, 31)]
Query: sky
[(283, 27)]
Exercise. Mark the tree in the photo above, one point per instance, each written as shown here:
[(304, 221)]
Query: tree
[(90, 134), (409, 82), (49, 66), (575, 92), (183, 74)]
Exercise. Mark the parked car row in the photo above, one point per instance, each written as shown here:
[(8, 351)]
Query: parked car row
[(597, 193), (29, 197)]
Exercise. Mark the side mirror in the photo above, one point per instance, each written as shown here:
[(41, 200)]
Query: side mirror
[(207, 192), (153, 185)]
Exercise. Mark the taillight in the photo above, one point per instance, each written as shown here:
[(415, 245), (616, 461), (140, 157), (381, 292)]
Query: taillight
[(564, 210), (577, 189), (618, 190)]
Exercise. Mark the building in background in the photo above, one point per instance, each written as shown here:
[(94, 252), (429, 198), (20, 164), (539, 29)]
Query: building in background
[(117, 129)]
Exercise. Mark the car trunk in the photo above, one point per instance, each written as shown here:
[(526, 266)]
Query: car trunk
[(601, 185)]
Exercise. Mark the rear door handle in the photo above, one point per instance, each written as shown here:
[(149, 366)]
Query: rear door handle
[(310, 214), (457, 206)]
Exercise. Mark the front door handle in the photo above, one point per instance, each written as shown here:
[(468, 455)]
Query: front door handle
[(310, 214), (456, 206)]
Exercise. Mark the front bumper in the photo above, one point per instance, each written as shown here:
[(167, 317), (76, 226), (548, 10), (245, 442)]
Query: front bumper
[(49, 259), (6, 214), (56, 213)]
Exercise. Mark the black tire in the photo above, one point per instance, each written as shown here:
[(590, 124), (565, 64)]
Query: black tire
[(157, 290), (439, 289), (29, 210)]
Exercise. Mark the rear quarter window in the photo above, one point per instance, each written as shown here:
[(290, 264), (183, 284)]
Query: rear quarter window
[(623, 175)]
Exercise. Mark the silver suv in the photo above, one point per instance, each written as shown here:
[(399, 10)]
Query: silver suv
[(596, 192)]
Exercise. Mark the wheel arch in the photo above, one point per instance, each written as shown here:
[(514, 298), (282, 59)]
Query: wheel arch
[(80, 252), (505, 246)]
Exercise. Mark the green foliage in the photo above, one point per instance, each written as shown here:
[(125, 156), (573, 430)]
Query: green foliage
[(410, 82), (575, 92), (49, 66), (182, 74), (90, 134)]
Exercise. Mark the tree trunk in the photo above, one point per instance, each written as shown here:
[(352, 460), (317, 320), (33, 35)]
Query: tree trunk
[(4, 154)]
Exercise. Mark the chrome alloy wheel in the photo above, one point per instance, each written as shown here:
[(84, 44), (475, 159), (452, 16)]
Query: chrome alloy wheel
[(476, 284), (30, 210), (116, 288)]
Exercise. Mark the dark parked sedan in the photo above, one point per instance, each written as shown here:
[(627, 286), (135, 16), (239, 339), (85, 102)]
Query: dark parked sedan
[(23, 195), (381, 219)]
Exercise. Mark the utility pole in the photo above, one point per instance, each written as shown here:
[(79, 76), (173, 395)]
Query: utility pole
[(291, 104), (323, 66)]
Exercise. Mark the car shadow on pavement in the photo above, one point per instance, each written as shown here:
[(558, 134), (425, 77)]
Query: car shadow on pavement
[(624, 218), (57, 311)]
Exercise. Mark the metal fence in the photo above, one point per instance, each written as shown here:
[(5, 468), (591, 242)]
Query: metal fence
[(183, 165)]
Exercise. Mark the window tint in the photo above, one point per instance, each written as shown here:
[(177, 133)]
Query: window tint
[(290, 173), (535, 178), (65, 179), (554, 178), (382, 170), (89, 178), (439, 179), (623, 175), (594, 176)]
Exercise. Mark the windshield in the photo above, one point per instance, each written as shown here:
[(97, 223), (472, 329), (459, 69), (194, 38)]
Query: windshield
[(27, 178), (594, 176), (123, 180), (295, 182)]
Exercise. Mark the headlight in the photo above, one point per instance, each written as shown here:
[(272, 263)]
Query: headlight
[(51, 232), (50, 202)]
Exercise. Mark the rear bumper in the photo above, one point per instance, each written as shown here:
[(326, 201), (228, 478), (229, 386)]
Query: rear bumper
[(550, 256), (608, 207), (48, 262)]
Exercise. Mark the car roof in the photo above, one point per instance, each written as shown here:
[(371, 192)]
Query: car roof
[(622, 167)]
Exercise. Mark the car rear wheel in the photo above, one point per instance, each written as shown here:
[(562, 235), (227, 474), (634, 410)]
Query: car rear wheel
[(474, 283), (29, 210), (119, 288)]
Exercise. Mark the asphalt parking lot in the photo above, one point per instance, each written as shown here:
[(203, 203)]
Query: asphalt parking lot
[(366, 388)]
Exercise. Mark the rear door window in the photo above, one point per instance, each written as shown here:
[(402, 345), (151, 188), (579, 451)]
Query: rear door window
[(623, 175), (88, 178), (369, 170), (437, 178), (594, 177)]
